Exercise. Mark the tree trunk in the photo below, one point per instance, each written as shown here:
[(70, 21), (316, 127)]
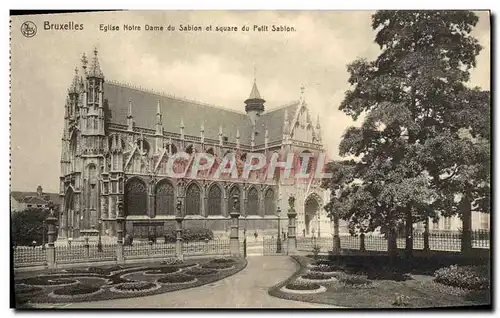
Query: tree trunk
[(409, 233), (392, 244), (336, 237), (426, 235), (466, 211)]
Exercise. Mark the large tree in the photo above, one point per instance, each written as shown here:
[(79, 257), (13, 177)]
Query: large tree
[(411, 95)]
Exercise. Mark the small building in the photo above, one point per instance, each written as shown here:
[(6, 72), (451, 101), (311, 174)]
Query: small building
[(22, 200)]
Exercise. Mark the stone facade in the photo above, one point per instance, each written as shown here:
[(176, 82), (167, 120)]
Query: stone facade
[(117, 140)]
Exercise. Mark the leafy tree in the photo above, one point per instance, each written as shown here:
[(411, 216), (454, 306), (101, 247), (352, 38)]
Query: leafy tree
[(29, 225), (412, 97)]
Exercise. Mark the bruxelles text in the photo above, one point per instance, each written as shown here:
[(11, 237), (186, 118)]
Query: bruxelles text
[(305, 166)]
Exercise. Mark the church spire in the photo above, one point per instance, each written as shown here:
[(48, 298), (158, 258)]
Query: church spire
[(75, 84), (254, 104), (95, 68)]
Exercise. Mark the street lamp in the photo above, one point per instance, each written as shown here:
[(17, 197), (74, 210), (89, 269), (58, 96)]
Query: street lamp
[(99, 242), (278, 241)]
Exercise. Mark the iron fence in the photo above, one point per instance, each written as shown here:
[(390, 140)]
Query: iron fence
[(148, 249), (108, 252), (208, 247), (272, 247), (440, 241), (24, 255)]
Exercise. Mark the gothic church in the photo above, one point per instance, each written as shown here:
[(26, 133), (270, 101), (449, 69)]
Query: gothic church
[(117, 139)]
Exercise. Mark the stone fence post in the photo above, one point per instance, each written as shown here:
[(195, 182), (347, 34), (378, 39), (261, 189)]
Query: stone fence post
[(178, 244), (51, 233), (234, 238), (120, 259), (292, 215)]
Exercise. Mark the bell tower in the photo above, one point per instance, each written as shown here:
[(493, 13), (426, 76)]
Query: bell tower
[(254, 104)]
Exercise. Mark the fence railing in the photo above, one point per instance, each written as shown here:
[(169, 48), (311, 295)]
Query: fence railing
[(213, 247), (29, 256), (442, 241), (271, 246)]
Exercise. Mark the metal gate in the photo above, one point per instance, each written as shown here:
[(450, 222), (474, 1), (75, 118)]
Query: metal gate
[(274, 246)]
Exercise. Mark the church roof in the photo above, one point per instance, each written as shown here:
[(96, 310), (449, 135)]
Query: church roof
[(192, 113), (33, 198), (273, 120)]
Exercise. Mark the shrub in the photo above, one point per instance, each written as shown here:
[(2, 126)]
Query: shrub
[(468, 277), (163, 270), (355, 280), (389, 275), (301, 285), (326, 268), (200, 271), (217, 265), (135, 286), (321, 262), (180, 278), (26, 289), (79, 289), (222, 260), (316, 249), (316, 275), (173, 261), (189, 235)]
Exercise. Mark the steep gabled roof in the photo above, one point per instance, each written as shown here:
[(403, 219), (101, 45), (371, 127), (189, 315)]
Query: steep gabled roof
[(33, 198), (194, 114), (274, 120)]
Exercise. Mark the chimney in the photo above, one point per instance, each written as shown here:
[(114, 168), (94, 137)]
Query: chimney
[(39, 191)]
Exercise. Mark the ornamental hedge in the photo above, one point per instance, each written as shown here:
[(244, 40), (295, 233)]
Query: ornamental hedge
[(301, 285), (179, 278), (189, 234), (80, 289)]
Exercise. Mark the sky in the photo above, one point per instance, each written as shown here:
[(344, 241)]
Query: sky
[(213, 67)]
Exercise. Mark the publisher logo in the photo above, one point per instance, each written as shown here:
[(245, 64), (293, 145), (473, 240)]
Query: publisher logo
[(28, 29)]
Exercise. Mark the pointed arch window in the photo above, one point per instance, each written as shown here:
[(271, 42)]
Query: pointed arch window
[(215, 200), (165, 199), (253, 202), (193, 200), (136, 197), (269, 203)]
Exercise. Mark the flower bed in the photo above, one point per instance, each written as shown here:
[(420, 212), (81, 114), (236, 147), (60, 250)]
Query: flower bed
[(162, 270), (75, 291), (218, 265), (223, 260), (177, 279), (303, 287), (298, 285), (355, 281), (26, 289), (326, 269), (317, 276), (200, 271), (42, 281), (135, 287), (468, 277)]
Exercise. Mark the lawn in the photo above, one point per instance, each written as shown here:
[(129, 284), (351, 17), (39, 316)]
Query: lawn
[(110, 282), (375, 284)]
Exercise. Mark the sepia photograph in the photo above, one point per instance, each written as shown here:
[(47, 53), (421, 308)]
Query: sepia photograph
[(250, 159)]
